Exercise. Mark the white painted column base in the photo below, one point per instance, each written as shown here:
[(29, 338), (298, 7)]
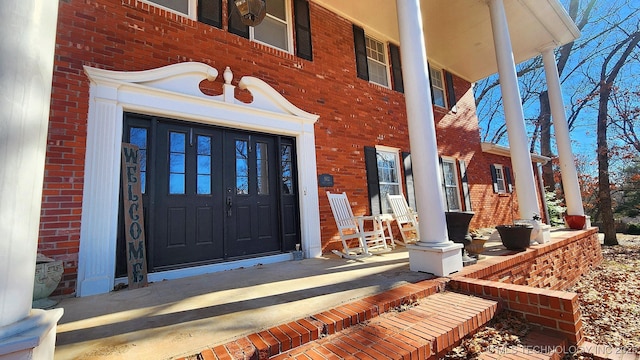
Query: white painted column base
[(437, 260), (31, 338)]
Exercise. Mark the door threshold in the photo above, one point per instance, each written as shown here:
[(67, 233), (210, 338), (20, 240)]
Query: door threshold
[(212, 268)]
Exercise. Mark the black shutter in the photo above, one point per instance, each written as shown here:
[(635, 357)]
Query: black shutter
[(373, 185), (451, 93), (303, 29), (430, 83), (235, 24), (210, 12), (361, 53), (408, 180), (507, 175), (494, 178), (465, 185), (396, 68)]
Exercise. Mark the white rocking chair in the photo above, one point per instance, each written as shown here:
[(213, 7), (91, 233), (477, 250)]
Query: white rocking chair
[(405, 217), (353, 227)]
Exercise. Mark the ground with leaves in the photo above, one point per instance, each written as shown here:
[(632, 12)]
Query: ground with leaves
[(610, 296), (609, 301)]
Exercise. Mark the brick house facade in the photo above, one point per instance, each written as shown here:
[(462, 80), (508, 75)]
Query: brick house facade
[(353, 114)]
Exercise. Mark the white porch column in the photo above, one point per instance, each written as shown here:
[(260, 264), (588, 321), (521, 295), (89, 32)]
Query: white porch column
[(28, 29), (518, 141), (434, 253), (568, 171)]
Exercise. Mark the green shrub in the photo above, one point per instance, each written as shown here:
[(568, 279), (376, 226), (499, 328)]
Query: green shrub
[(633, 229), (555, 209)]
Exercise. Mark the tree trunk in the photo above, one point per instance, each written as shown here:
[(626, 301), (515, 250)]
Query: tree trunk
[(544, 119), (606, 84), (604, 186)]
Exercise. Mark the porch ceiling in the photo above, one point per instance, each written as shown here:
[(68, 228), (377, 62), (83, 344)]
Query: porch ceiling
[(458, 32)]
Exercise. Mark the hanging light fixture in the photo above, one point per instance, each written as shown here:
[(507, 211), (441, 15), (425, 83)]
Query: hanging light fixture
[(252, 12)]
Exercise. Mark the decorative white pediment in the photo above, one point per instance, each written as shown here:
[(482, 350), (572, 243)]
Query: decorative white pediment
[(173, 91), (185, 78)]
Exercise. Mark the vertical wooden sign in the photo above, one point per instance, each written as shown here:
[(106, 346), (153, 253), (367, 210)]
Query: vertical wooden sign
[(133, 217)]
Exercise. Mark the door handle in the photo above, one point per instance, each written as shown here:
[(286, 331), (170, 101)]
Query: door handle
[(229, 205)]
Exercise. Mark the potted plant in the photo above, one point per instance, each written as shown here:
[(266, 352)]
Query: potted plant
[(575, 222), (516, 236), (47, 277), (476, 247)]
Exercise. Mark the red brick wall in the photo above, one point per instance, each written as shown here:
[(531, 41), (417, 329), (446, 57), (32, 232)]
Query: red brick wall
[(532, 283), (130, 35), (556, 266)]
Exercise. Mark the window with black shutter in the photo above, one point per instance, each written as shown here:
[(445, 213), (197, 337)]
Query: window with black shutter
[(501, 178)]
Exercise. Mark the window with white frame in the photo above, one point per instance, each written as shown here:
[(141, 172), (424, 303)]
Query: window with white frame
[(501, 184), (275, 29), (437, 86), (451, 185), (181, 7), (388, 163), (377, 61)]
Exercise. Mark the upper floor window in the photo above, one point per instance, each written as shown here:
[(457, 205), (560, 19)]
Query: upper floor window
[(377, 61), (182, 7), (278, 27), (437, 86), (275, 29)]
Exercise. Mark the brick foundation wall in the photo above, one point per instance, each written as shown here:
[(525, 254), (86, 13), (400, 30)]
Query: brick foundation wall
[(557, 265), (532, 283), (132, 35)]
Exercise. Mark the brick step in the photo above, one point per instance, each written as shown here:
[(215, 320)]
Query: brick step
[(429, 328), (284, 337)]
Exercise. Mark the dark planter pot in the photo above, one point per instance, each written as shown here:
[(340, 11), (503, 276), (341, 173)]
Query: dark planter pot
[(458, 226), (575, 222), (515, 237)]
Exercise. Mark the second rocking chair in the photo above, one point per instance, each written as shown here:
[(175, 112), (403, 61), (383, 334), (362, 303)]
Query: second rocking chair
[(405, 217)]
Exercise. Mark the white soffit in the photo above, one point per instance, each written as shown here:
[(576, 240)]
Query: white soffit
[(458, 32), (491, 148)]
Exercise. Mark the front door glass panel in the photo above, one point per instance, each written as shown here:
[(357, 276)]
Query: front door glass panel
[(177, 162), (242, 167), (262, 166), (204, 165)]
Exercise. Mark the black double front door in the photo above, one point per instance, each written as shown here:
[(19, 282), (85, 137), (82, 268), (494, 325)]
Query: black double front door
[(212, 194)]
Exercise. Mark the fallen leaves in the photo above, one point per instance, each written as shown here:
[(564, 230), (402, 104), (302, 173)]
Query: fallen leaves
[(502, 332), (610, 296)]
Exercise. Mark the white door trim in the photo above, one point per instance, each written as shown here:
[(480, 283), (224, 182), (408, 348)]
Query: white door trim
[(174, 91)]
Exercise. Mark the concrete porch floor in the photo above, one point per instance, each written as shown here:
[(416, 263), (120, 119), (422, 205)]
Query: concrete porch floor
[(176, 318)]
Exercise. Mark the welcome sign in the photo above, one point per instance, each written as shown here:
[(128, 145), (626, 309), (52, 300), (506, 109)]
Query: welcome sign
[(133, 217)]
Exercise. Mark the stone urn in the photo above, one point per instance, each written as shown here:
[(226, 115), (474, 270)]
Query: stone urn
[(476, 247), (48, 276), (458, 230)]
